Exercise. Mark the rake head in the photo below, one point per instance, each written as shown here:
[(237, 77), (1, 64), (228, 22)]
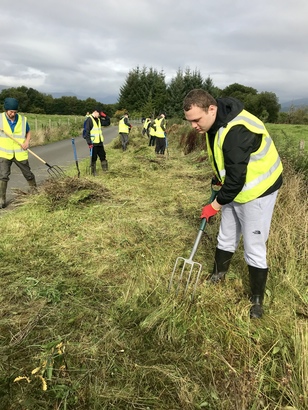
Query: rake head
[(55, 172), (185, 275)]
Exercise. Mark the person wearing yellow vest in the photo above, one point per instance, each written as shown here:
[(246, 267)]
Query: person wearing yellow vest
[(124, 130), (94, 137), (248, 171), (152, 132), (160, 140), (11, 152), (145, 127)]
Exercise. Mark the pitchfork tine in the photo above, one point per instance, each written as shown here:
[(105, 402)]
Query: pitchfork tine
[(194, 266)]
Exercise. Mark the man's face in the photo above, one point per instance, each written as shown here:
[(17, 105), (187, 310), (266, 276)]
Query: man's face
[(11, 114), (200, 120)]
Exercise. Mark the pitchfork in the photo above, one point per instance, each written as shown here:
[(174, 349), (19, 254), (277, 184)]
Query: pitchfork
[(190, 271), (53, 170)]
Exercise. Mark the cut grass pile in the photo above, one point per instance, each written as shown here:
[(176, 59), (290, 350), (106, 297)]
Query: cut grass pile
[(86, 319)]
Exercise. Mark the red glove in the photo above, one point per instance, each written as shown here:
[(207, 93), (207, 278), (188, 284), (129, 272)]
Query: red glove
[(91, 146), (102, 114), (208, 211)]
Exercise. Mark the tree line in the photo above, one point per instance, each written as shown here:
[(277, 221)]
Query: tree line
[(145, 93)]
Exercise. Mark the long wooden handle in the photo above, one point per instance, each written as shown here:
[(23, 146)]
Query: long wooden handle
[(29, 150)]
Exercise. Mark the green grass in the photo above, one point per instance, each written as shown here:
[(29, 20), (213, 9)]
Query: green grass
[(292, 142), (85, 266)]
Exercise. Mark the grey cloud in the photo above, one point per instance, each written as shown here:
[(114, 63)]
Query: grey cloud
[(89, 47)]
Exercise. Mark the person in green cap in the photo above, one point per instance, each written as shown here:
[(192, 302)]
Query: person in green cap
[(12, 123)]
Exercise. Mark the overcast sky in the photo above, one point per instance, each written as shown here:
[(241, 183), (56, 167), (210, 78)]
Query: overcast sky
[(88, 47)]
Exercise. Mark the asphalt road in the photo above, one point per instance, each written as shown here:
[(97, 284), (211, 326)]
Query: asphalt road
[(59, 153)]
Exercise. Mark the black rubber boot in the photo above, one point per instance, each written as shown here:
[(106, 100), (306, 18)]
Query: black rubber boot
[(32, 185), (257, 280), (104, 165), (221, 265), (3, 187), (93, 169)]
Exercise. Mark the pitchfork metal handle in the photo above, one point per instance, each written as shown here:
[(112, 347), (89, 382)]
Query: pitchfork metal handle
[(197, 241), (201, 229)]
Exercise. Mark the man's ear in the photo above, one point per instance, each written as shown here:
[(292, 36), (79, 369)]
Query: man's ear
[(212, 110)]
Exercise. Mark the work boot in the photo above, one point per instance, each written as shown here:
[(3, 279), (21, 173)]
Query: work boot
[(257, 280), (32, 185), (221, 265), (93, 169), (104, 165), (3, 186)]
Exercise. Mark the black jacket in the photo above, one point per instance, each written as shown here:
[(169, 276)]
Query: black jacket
[(239, 143)]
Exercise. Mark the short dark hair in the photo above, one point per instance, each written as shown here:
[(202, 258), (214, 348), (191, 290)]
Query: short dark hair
[(200, 98)]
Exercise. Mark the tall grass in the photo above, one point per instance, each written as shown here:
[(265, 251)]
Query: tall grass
[(85, 266)]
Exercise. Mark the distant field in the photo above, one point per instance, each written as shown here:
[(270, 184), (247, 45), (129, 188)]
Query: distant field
[(287, 135), (39, 121)]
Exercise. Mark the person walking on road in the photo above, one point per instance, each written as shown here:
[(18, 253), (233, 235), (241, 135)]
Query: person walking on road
[(11, 152), (248, 171), (124, 130), (94, 137)]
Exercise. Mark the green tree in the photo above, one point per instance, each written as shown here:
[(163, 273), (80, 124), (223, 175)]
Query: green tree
[(142, 87), (175, 95), (192, 79), (37, 101), (268, 101), (128, 96), (209, 86)]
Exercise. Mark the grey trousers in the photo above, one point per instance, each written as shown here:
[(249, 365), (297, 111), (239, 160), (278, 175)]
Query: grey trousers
[(124, 140), (251, 220), (5, 168)]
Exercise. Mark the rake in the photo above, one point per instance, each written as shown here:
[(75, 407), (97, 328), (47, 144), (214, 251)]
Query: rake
[(53, 170), (186, 272)]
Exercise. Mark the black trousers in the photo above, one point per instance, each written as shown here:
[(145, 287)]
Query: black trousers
[(98, 151), (160, 145), (152, 140)]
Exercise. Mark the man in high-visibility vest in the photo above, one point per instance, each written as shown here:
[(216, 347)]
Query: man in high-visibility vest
[(94, 137), (160, 140), (124, 130), (145, 127), (248, 171), (11, 151), (152, 132)]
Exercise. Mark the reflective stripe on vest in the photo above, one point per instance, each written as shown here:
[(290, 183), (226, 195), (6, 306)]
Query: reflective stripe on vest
[(9, 148), (264, 165), (160, 133), (96, 133), (123, 127)]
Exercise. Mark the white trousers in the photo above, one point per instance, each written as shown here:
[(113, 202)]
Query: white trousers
[(253, 221)]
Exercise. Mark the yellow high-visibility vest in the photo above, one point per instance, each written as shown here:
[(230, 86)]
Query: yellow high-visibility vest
[(96, 133), (160, 133), (153, 130), (264, 166), (9, 148), (146, 123), (123, 127)]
